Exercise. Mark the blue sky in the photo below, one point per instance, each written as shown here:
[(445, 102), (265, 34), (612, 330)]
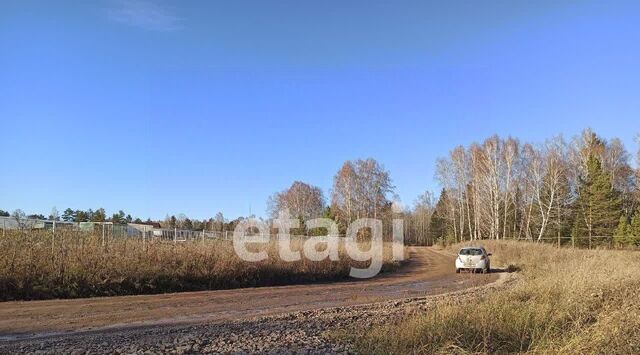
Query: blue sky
[(194, 107)]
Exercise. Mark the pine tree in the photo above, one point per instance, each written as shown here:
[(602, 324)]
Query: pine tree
[(68, 215), (622, 235), (80, 216), (634, 228), (188, 224), (598, 205), (100, 215), (439, 226), (118, 218)]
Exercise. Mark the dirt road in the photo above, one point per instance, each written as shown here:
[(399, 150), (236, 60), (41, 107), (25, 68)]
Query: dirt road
[(428, 272)]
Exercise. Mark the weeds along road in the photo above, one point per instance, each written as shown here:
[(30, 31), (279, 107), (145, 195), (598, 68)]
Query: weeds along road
[(428, 272)]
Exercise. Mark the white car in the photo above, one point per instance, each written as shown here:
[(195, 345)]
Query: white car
[(474, 259)]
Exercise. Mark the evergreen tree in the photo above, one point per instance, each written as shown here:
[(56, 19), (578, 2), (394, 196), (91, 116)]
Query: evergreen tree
[(622, 235), (634, 228), (118, 218), (439, 225), (68, 215), (80, 216), (598, 205), (100, 215)]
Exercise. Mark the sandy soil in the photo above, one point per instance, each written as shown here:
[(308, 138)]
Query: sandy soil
[(428, 272)]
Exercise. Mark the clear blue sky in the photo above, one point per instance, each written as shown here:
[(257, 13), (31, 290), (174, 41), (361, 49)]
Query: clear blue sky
[(160, 107)]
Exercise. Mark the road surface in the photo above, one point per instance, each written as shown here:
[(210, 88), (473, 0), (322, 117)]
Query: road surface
[(428, 272)]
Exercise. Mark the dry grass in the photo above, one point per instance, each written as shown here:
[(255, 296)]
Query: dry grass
[(570, 301), (79, 266)]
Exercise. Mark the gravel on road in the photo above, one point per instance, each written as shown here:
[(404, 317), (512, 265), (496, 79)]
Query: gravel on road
[(303, 332)]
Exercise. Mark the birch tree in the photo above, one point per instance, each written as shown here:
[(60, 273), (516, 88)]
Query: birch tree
[(360, 189), (501, 188), (546, 172)]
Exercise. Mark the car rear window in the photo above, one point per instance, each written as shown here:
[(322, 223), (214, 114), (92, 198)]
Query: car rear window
[(470, 251)]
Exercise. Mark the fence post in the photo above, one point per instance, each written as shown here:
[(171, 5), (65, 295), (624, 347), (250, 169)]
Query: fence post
[(144, 239), (202, 236), (175, 235), (103, 240), (53, 238)]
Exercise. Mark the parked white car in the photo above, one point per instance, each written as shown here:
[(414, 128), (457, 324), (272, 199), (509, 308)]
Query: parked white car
[(474, 259)]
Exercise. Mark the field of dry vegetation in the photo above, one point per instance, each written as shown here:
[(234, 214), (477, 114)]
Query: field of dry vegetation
[(567, 301), (33, 266)]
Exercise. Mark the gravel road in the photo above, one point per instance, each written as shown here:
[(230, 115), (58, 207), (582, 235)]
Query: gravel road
[(241, 320)]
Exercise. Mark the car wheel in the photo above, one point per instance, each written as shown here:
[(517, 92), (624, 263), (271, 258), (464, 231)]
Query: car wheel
[(457, 271)]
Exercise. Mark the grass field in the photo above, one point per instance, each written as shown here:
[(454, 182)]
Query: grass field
[(568, 301), (33, 266)]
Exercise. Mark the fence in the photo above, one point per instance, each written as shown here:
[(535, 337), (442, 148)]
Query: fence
[(579, 241), (108, 231)]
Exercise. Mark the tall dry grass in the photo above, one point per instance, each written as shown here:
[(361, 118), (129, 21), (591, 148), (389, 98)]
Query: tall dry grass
[(33, 266), (569, 302)]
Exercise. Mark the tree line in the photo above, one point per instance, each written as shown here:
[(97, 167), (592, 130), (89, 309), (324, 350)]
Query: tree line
[(582, 192), (362, 188), (217, 223)]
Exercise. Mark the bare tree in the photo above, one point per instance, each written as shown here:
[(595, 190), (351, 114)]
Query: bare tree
[(478, 190), (586, 144), (219, 222), (545, 172), (374, 185), (181, 220), (510, 157), (360, 189), (304, 201), (420, 219), (615, 161), (343, 194), (500, 188), (54, 215), (20, 217)]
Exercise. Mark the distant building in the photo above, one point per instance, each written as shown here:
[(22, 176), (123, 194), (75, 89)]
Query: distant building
[(28, 223)]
